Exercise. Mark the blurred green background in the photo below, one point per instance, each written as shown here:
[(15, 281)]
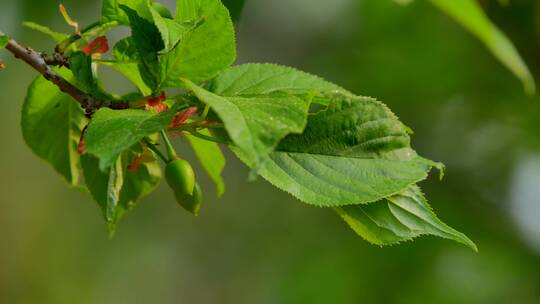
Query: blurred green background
[(258, 245)]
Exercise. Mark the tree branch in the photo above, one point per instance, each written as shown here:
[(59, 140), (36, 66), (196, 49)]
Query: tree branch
[(56, 59), (41, 64)]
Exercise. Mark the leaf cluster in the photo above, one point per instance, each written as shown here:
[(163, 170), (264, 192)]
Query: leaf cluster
[(324, 145)]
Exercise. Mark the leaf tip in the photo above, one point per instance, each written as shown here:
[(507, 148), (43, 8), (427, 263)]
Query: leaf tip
[(220, 191), (469, 243), (463, 239), (441, 168), (529, 85), (111, 226)]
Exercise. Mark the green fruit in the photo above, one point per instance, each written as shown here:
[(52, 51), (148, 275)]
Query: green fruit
[(181, 179), (191, 203), (180, 176)]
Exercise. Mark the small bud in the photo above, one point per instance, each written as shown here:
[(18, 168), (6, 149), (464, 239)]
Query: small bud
[(157, 103), (100, 45), (81, 147), (182, 117), (135, 164)]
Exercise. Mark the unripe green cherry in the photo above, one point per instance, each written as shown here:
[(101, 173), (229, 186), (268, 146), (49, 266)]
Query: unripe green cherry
[(191, 203), (180, 176)]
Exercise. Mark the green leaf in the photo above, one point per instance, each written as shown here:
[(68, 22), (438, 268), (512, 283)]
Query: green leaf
[(118, 190), (147, 41), (235, 8), (81, 66), (254, 95), (4, 40), (58, 37), (211, 159), (350, 156), (112, 132), (126, 62), (145, 34), (355, 152), (162, 10), (51, 124), (399, 218), (105, 186), (139, 183), (111, 11), (250, 79), (329, 181), (470, 15), (256, 123), (171, 30), (356, 127), (205, 51), (184, 41)]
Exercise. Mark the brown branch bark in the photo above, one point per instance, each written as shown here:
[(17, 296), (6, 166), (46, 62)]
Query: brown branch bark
[(41, 64), (56, 59)]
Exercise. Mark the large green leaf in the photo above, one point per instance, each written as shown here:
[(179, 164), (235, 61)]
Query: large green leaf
[(399, 218), (127, 63), (261, 80), (211, 159), (145, 34), (111, 11), (104, 186), (138, 184), (355, 127), (328, 181), (147, 40), (112, 132), (235, 8), (354, 152), (162, 10), (356, 156), (171, 30), (257, 79), (117, 190), (197, 44), (205, 51), (51, 124), (81, 66), (256, 123), (469, 14)]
